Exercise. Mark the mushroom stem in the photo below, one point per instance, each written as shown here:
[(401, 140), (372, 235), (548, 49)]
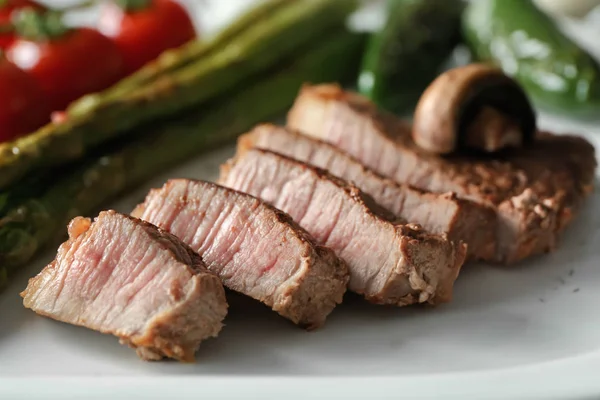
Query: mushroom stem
[(492, 130)]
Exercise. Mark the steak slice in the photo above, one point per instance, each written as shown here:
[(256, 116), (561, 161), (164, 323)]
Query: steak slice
[(389, 263), (534, 190), (463, 220), (123, 276), (255, 249)]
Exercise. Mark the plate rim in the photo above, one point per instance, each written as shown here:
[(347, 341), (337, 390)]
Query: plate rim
[(546, 380)]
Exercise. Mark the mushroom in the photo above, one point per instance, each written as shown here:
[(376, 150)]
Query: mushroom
[(476, 106)]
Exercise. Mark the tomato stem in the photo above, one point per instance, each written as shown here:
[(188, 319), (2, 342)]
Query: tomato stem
[(34, 25), (82, 5), (133, 5), (53, 20)]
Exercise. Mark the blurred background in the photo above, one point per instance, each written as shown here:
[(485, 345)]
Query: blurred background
[(579, 18)]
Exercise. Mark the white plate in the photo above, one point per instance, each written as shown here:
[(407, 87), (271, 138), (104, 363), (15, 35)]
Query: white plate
[(531, 331), (509, 333)]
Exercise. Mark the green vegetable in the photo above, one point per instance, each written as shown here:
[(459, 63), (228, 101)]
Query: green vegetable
[(528, 45), (96, 119), (28, 187), (38, 221), (36, 25), (408, 52)]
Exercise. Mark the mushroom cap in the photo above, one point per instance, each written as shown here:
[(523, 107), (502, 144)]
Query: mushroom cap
[(454, 99)]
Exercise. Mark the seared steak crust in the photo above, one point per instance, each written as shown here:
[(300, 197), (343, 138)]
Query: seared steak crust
[(535, 190), (123, 276), (254, 248), (389, 263)]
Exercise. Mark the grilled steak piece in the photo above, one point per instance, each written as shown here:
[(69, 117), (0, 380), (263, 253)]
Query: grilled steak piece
[(389, 263), (463, 220), (535, 190), (123, 276), (255, 249)]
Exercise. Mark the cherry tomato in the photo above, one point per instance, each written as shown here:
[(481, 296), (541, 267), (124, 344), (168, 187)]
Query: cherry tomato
[(142, 33), (69, 66), (23, 108), (6, 9)]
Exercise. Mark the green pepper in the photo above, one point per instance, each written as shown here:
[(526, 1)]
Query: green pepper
[(409, 51), (529, 46)]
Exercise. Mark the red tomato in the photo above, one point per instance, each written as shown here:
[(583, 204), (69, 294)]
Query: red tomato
[(79, 62), (142, 34), (23, 108), (6, 9)]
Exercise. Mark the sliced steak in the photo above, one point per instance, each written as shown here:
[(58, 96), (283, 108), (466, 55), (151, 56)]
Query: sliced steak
[(255, 249), (389, 263), (123, 276), (535, 191), (463, 220)]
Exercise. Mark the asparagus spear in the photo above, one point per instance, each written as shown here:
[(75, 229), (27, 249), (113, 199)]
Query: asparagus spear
[(95, 119), (28, 228)]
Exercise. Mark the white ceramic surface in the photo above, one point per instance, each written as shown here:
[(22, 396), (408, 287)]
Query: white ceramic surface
[(540, 313), (531, 331)]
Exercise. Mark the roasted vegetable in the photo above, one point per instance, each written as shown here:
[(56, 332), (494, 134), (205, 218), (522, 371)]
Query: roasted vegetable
[(27, 227), (473, 107), (528, 45), (95, 119), (408, 52)]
